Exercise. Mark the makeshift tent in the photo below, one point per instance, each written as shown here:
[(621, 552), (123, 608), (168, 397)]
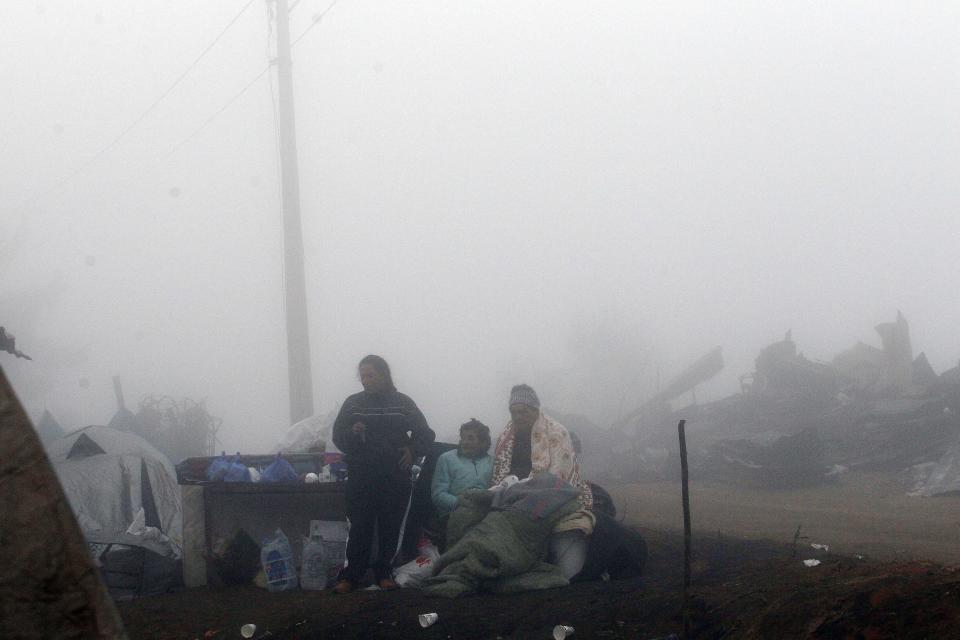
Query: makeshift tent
[(48, 428), (49, 587), (109, 475), (123, 420)]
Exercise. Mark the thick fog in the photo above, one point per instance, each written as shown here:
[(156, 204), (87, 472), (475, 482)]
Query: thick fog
[(581, 196)]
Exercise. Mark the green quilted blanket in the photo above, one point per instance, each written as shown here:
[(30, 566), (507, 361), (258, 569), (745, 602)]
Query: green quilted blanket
[(494, 550)]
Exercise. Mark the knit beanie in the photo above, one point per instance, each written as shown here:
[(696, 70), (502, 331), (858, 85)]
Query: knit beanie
[(524, 394)]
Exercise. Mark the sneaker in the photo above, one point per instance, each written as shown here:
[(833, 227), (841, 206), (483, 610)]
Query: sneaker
[(387, 584), (344, 586)]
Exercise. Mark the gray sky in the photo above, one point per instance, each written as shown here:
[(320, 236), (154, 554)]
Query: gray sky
[(574, 195)]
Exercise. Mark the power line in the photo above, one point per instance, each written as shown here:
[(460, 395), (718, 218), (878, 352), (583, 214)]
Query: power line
[(209, 120), (99, 154), (206, 123), (181, 76), (316, 20)]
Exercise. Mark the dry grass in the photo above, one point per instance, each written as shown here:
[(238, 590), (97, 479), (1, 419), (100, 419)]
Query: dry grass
[(865, 514)]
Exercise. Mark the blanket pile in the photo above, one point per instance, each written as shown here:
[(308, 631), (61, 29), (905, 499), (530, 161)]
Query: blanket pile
[(498, 539)]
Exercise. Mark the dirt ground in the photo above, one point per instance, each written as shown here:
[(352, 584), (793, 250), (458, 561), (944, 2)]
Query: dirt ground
[(863, 514), (743, 585)]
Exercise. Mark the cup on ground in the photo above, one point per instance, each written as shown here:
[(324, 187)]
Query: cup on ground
[(427, 619), (560, 632)]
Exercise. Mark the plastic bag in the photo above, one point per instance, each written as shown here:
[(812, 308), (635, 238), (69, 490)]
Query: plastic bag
[(420, 568), (218, 467), (276, 556), (228, 469), (236, 471), (279, 471), (333, 534), (313, 567), (139, 523)]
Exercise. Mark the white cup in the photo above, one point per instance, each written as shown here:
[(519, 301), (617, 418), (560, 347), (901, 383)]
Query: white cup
[(311, 478), (248, 630), (560, 632), (427, 619)]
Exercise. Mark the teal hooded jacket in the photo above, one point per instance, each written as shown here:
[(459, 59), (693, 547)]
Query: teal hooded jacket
[(455, 474)]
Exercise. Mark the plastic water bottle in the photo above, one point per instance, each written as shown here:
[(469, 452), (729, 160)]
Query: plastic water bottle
[(313, 570), (277, 560)]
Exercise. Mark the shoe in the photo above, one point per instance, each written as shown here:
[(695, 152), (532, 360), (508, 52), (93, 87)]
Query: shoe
[(388, 584), (344, 586)]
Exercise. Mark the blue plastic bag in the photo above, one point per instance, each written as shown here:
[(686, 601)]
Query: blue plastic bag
[(228, 469), (218, 467), (236, 471), (279, 471)]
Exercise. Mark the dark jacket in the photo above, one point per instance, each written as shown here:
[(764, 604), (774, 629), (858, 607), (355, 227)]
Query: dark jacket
[(393, 421)]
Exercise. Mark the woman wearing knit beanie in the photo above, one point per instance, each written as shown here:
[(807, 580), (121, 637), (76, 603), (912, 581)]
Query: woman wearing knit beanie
[(532, 443)]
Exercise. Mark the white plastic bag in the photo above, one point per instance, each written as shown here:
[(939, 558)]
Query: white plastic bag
[(333, 538), (420, 568), (507, 482), (139, 523)]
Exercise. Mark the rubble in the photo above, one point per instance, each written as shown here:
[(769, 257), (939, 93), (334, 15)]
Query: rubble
[(798, 423), (179, 428), (940, 478)]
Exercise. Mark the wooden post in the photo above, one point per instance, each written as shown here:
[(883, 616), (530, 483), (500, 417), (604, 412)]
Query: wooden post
[(684, 482)]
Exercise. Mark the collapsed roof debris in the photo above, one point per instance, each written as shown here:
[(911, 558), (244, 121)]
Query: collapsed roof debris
[(797, 422)]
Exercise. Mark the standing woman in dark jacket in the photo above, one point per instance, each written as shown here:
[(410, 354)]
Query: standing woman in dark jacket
[(381, 431)]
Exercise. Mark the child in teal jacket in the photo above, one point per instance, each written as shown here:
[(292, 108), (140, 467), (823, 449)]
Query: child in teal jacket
[(469, 466)]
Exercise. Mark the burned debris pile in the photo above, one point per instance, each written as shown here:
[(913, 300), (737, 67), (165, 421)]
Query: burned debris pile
[(799, 423), (180, 428)]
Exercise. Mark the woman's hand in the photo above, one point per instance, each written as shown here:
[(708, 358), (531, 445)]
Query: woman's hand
[(359, 429)]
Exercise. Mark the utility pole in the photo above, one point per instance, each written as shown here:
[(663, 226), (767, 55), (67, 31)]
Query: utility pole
[(295, 289)]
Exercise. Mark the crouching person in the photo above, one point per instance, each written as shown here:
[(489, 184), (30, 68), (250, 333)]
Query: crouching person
[(469, 466), (533, 443)]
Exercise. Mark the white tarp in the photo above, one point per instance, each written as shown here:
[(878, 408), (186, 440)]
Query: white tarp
[(105, 489), (309, 435), (112, 441)]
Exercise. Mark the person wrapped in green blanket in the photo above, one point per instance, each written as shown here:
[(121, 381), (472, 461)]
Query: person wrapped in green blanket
[(498, 539)]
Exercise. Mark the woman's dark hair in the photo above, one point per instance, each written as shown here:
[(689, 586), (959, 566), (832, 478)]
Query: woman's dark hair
[(382, 368), (482, 430)]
